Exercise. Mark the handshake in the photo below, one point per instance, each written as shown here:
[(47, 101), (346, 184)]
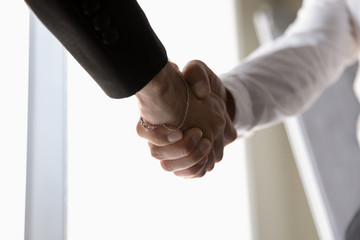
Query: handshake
[(186, 118)]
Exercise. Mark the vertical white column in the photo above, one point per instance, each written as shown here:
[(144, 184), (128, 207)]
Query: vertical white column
[(14, 48), (46, 177)]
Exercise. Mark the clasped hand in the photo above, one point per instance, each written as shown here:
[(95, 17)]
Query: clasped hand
[(193, 151)]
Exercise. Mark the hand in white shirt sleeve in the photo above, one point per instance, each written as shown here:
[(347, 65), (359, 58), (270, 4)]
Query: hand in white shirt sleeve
[(284, 77)]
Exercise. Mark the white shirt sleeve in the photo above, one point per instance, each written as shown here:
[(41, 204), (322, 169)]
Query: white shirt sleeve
[(282, 78)]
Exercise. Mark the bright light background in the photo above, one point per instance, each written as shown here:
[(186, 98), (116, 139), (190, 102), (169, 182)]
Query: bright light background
[(116, 190), (14, 43)]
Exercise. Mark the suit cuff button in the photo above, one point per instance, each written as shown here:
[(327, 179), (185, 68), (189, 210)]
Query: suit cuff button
[(90, 7), (110, 36), (101, 22)]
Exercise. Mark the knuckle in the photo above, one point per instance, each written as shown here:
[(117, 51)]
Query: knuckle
[(155, 152), (219, 156), (210, 168), (220, 121), (193, 171), (187, 149), (230, 136), (201, 174), (233, 136), (201, 150), (191, 160), (211, 157), (199, 168), (166, 166)]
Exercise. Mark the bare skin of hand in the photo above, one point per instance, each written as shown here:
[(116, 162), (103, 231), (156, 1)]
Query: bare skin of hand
[(207, 129), (163, 99)]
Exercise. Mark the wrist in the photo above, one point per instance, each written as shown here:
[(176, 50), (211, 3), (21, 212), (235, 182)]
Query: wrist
[(157, 86), (162, 99)]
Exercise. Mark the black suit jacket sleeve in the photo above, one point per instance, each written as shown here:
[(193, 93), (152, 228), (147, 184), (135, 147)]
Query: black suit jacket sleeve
[(111, 39)]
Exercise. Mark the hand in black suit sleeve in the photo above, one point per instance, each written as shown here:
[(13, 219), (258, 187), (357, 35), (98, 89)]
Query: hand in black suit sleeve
[(112, 40)]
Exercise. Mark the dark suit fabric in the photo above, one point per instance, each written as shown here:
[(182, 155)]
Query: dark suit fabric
[(111, 39)]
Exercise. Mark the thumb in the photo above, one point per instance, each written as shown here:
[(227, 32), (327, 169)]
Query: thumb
[(196, 76)]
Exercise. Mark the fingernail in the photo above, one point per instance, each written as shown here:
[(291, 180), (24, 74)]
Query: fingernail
[(204, 146), (174, 137)]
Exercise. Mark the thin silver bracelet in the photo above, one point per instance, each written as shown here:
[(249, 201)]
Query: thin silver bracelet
[(152, 127)]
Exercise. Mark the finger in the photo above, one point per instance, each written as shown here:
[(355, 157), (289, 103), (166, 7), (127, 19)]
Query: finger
[(201, 173), (220, 124), (193, 171), (174, 65), (216, 84), (197, 69), (159, 136), (195, 75), (211, 156), (210, 166), (219, 149), (201, 150), (180, 149)]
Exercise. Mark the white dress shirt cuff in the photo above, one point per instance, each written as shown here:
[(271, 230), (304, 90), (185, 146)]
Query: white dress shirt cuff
[(244, 117)]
